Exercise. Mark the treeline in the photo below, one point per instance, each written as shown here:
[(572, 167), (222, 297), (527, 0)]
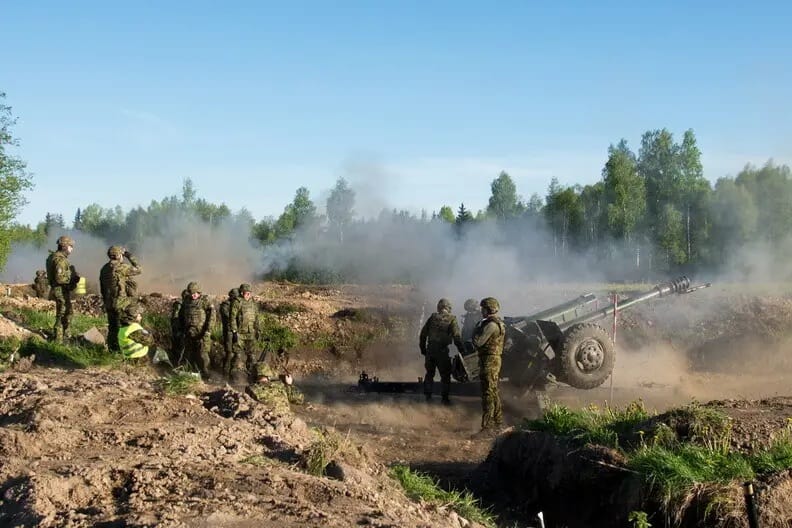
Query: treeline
[(652, 212)]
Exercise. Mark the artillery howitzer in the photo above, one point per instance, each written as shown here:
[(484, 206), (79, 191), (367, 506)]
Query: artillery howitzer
[(561, 344)]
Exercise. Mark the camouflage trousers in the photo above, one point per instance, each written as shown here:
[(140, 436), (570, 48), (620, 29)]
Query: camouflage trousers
[(244, 356), (489, 373), (228, 349), (196, 351), (113, 324), (63, 312), (437, 360)]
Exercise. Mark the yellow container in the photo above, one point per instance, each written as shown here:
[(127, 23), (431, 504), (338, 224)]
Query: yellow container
[(80, 288)]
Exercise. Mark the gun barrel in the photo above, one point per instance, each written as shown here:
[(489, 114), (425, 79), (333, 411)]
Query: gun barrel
[(679, 286)]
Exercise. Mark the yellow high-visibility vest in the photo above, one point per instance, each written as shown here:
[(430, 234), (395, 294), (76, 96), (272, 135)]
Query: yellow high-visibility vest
[(131, 349)]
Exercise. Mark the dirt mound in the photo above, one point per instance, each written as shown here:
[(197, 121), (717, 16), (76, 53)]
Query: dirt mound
[(91, 448), (528, 471)]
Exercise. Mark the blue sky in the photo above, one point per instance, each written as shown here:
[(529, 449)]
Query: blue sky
[(419, 104)]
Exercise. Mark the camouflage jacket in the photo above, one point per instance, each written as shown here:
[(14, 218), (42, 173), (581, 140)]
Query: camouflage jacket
[(243, 316), (489, 336), (197, 316), (59, 272), (439, 331), (116, 283)]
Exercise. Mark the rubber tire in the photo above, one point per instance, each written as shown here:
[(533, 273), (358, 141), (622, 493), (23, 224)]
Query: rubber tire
[(573, 338)]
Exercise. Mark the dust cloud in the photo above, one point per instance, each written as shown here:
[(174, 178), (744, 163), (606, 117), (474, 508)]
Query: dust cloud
[(219, 257)]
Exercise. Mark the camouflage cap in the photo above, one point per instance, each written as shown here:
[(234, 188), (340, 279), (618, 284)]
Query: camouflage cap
[(245, 288), (65, 240), (233, 293), (193, 287), (471, 305), (490, 304), (443, 305), (115, 252)]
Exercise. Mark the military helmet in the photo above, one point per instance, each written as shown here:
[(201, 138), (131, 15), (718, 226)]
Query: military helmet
[(245, 287), (133, 310), (471, 305), (490, 304), (65, 240), (443, 305), (41, 273), (233, 293), (193, 287), (115, 252)]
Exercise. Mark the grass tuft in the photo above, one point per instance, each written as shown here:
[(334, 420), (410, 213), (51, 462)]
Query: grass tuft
[(180, 382), (322, 451), (69, 355), (418, 486)]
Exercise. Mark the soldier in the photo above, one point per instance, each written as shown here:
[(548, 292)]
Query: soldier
[(40, 284), (118, 289), (177, 327), (439, 331), (225, 320), (488, 338), (469, 321), (197, 320), (134, 340), (62, 279), (242, 324)]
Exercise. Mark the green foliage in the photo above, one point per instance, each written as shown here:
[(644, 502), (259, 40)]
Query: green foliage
[(591, 425), (639, 519), (625, 192), (504, 204), (340, 206), (14, 180), (274, 336), (418, 486), (179, 382), (446, 214)]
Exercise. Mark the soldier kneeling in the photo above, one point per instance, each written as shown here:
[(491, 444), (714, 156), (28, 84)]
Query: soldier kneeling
[(134, 340)]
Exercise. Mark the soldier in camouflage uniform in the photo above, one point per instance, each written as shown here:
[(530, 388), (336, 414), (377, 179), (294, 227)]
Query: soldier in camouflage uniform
[(197, 320), (469, 321), (40, 284), (118, 289), (488, 338), (439, 331), (177, 328), (225, 320), (62, 279), (242, 323)]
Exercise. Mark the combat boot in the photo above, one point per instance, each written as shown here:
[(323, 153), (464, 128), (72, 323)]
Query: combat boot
[(445, 400)]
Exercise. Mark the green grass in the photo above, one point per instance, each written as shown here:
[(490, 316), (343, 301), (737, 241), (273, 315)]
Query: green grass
[(418, 486), (178, 383), (43, 322), (591, 425), (68, 355), (679, 451)]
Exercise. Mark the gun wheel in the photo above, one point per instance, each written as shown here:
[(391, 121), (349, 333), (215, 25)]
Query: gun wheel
[(587, 356)]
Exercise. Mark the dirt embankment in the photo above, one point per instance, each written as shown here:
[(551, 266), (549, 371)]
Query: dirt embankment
[(581, 485), (99, 448)]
